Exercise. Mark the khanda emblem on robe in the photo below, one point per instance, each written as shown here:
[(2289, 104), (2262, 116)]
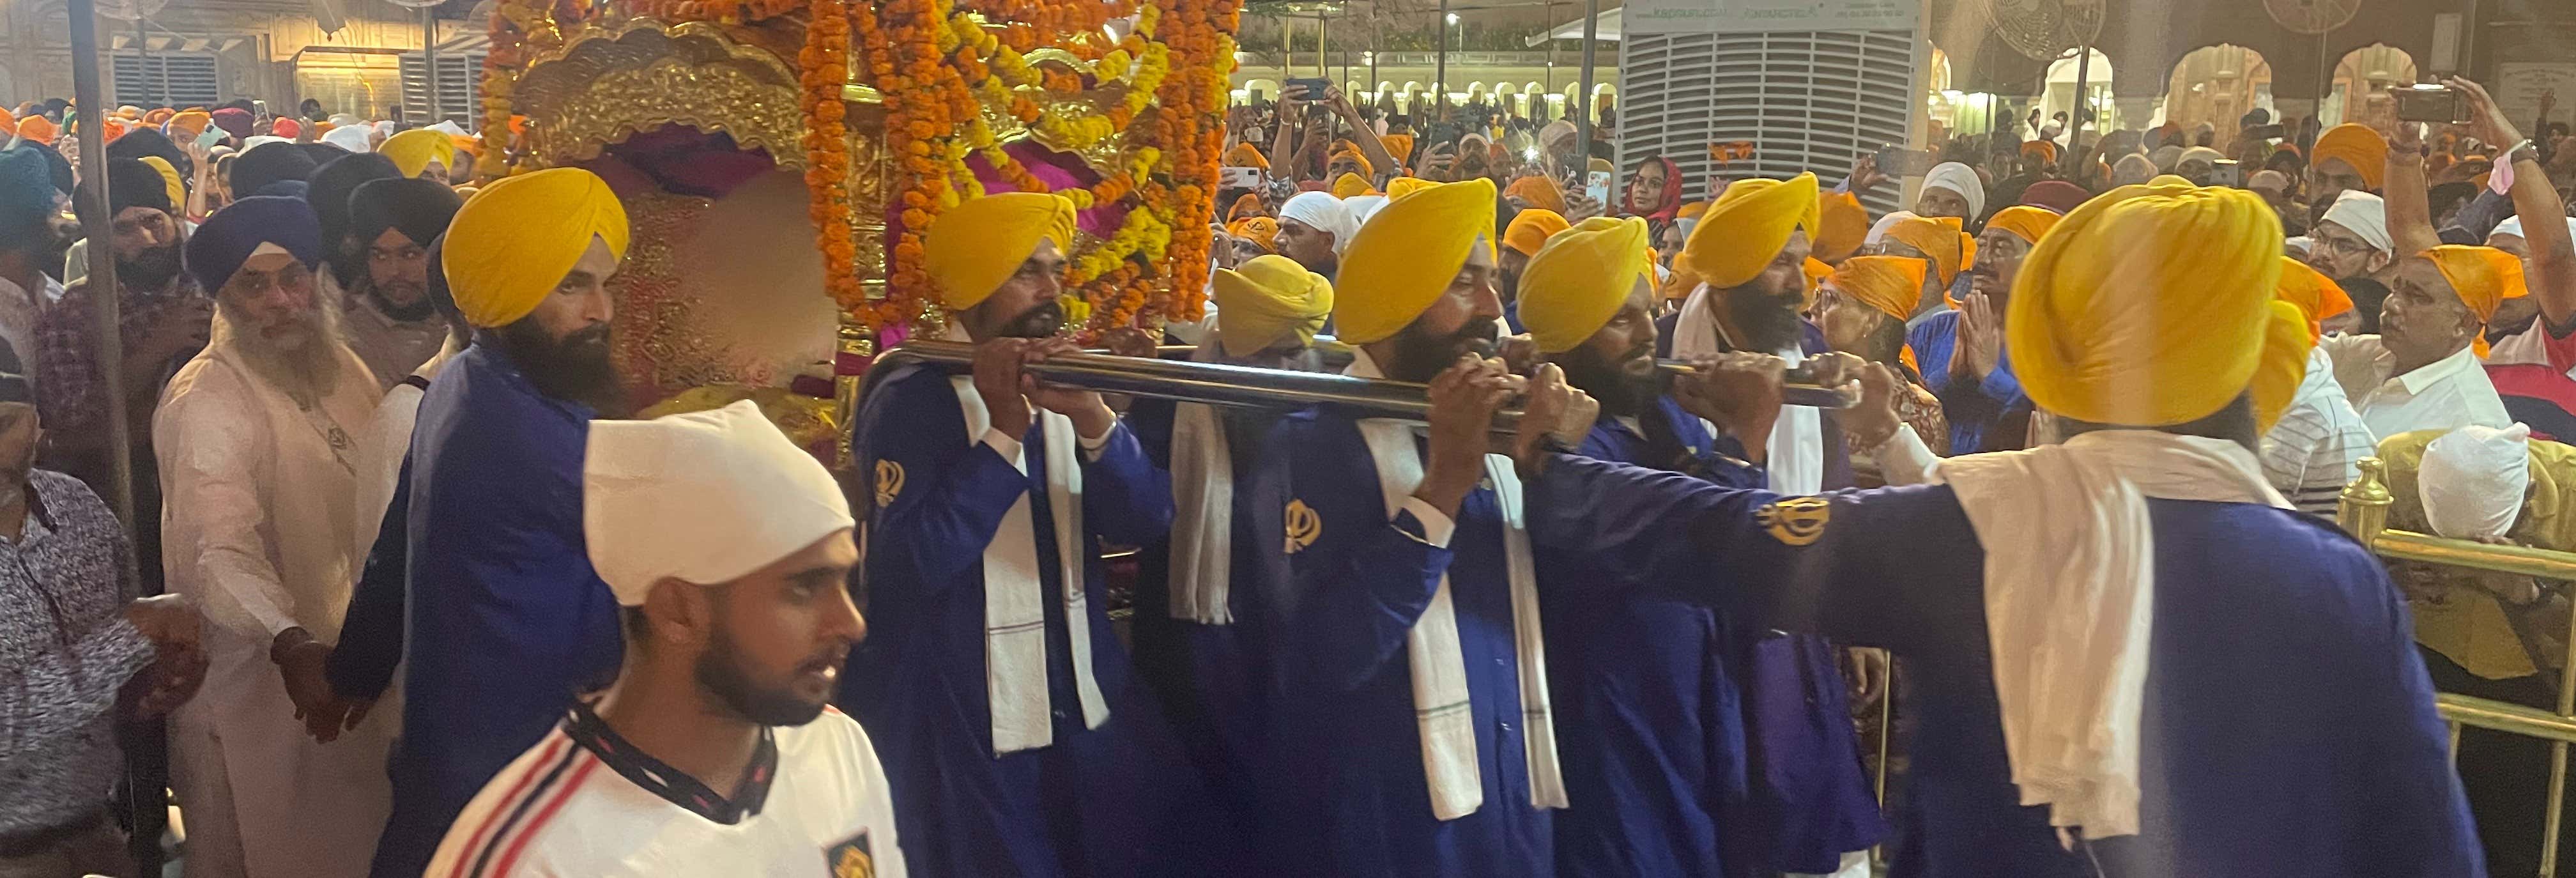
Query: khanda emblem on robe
[(1796, 521), (889, 482), (1303, 526), (852, 859)]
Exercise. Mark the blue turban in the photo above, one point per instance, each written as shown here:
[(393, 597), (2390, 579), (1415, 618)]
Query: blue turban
[(220, 246), (26, 196)]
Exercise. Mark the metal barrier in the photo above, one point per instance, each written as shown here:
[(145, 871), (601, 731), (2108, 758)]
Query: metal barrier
[(2363, 512)]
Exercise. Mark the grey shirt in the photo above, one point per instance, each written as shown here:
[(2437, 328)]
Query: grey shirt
[(65, 651)]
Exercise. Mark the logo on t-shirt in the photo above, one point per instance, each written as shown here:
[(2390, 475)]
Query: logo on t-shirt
[(851, 859)]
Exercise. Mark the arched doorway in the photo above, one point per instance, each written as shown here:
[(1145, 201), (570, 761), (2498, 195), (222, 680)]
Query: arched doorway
[(2216, 86), (2361, 83), (2060, 95)]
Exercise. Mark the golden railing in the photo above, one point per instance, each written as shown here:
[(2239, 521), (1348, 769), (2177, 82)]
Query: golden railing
[(2363, 512)]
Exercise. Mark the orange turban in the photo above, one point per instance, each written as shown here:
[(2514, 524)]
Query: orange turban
[(1248, 205), (1693, 210), (1747, 227), (2317, 296), (2281, 365), (114, 129), (2358, 146), (38, 129), (1347, 148), (1531, 229), (1260, 230), (1398, 145), (2483, 277), (1351, 186), (287, 128), (8, 125), (1845, 226), (2046, 151), (1245, 155), (159, 115), (1815, 271), (2027, 222), (189, 124), (1939, 238), (1538, 191), (1891, 284)]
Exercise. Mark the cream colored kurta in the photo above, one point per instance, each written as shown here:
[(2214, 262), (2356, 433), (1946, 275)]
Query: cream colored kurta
[(256, 527)]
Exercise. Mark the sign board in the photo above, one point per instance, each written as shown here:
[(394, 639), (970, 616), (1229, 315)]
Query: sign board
[(1739, 16), (2518, 86)]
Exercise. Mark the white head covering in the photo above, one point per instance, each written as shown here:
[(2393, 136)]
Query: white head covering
[(339, 119), (448, 127), (349, 137), (256, 141), (2473, 480), (704, 497), (1324, 213), (2297, 248), (1363, 206), (2365, 215), (1878, 231), (2512, 225), (1961, 179)]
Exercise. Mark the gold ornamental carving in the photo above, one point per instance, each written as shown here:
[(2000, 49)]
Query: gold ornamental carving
[(611, 84)]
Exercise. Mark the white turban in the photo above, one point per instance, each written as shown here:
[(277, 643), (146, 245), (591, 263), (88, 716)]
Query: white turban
[(1878, 232), (1323, 213), (705, 498), (2512, 225), (447, 127), (2473, 480), (349, 137), (1362, 207), (2365, 215), (1961, 179)]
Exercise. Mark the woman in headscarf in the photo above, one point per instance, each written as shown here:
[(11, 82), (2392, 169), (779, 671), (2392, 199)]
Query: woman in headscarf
[(1654, 190)]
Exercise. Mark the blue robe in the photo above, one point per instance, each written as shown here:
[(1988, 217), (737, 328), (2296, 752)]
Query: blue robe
[(1979, 411), (1361, 807), (2288, 730), (1114, 801), (1219, 684), (1655, 700), (507, 621)]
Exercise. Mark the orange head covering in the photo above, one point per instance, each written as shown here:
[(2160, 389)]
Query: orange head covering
[(1260, 230), (1940, 239), (1538, 191), (1815, 271), (2044, 150), (288, 128), (2483, 277), (159, 115), (2358, 146), (8, 125), (1245, 155), (1248, 205), (1531, 228), (1352, 185), (1692, 210), (38, 129), (188, 124), (2317, 296), (1845, 226), (114, 129), (1352, 150), (1891, 284), (2026, 222), (1398, 145)]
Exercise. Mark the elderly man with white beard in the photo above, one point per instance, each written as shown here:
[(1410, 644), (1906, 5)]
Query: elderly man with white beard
[(256, 465)]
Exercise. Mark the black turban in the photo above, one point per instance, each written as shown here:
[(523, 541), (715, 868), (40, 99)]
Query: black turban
[(130, 183), (269, 163), (140, 141), (328, 191), (419, 208)]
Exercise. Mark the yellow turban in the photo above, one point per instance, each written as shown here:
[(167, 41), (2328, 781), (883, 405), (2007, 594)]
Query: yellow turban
[(2170, 180), (2024, 221), (1531, 228), (1747, 227), (2483, 277), (2364, 149), (981, 242), (2316, 296), (1260, 230), (1245, 155), (1941, 240), (170, 183), (1538, 192), (413, 150), (1814, 271), (1347, 149), (2282, 365), (1891, 284), (1269, 299), (1693, 210), (1403, 186), (1843, 225), (1580, 279), (1352, 186), (512, 244), (1406, 256), (1248, 205), (2147, 306)]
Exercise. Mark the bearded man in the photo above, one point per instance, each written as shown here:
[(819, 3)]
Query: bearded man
[(1657, 698), (506, 618), (390, 320), (256, 461), (1018, 740)]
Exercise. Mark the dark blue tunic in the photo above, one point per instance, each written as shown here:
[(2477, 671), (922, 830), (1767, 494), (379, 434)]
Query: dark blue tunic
[(1110, 802), (2289, 727), (1975, 409)]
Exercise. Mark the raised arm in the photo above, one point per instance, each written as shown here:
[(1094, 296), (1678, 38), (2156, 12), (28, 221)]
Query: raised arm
[(2552, 277), (2409, 196)]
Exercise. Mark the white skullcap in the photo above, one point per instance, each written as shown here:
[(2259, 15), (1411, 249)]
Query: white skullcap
[(1878, 231), (1364, 206), (1323, 213), (2512, 225), (1961, 179), (2473, 480), (704, 497), (2365, 215), (351, 137)]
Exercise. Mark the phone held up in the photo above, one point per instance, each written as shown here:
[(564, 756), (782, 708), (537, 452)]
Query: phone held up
[(1314, 87), (1899, 162), (2429, 103)]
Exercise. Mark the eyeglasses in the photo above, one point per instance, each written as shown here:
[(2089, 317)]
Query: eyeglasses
[(2345, 245)]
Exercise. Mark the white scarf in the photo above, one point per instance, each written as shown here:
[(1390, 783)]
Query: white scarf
[(1797, 463), (1202, 516), (2070, 574), (1015, 664), (1439, 668)]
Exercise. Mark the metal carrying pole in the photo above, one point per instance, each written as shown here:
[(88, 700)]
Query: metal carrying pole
[(2075, 114), (1440, 58), (1583, 98), (429, 62)]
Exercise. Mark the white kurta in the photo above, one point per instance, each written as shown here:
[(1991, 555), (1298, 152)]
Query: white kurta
[(256, 527)]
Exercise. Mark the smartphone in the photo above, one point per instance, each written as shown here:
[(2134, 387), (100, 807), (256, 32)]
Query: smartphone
[(2227, 172), (212, 136), (2263, 132), (1899, 162), (258, 108), (1239, 178), (1596, 186), (1314, 86), (2429, 103)]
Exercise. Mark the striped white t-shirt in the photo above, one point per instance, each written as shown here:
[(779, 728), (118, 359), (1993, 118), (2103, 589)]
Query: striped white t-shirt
[(2317, 446), (583, 802)]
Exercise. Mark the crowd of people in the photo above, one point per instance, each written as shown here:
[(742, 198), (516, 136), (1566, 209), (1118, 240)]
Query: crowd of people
[(408, 575)]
